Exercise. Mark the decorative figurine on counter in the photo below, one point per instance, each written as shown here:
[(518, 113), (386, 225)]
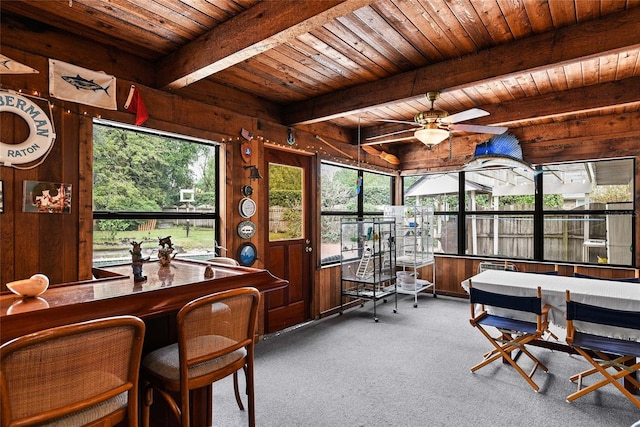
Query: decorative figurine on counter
[(165, 251), (136, 261), (208, 272)]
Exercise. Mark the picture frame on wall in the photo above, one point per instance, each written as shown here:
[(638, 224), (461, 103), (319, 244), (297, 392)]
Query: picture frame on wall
[(46, 197)]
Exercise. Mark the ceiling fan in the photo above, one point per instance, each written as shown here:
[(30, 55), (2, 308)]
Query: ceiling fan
[(433, 126)]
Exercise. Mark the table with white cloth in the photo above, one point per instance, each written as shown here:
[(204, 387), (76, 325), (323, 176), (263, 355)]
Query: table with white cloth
[(605, 293)]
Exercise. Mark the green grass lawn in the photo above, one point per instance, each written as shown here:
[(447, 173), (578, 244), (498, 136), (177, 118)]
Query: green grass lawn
[(199, 238)]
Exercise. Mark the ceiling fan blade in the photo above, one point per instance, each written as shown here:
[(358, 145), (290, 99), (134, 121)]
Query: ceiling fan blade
[(386, 141), (496, 130), (371, 150), (371, 138), (390, 158), (473, 113), (382, 154)]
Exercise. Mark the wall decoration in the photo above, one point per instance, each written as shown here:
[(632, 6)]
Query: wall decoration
[(9, 66), (247, 190), (41, 129), (245, 147), (1, 196), (76, 84), (247, 207), (47, 197), (247, 254), (246, 229)]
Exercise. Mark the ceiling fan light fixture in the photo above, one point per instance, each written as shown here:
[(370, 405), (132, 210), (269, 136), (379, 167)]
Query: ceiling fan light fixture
[(431, 137)]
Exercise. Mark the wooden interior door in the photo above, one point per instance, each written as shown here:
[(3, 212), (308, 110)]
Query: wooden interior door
[(289, 242)]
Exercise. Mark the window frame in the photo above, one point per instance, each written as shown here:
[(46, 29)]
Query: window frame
[(359, 213), (539, 214), (147, 215)]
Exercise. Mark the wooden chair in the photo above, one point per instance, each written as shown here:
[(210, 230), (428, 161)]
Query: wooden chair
[(236, 388), (514, 334), (83, 374), (602, 352), (216, 337)]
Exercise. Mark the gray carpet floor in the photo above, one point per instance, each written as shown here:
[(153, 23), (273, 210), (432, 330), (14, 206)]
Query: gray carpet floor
[(409, 369)]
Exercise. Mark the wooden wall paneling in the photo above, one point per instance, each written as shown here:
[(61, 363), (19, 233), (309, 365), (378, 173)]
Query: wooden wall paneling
[(14, 227), (327, 289), (58, 257), (84, 201), (71, 222), (637, 216), (26, 230), (228, 239)]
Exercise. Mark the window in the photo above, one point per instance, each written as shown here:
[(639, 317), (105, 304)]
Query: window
[(584, 211), (440, 192), (149, 185), (589, 211), (499, 206), (348, 193)]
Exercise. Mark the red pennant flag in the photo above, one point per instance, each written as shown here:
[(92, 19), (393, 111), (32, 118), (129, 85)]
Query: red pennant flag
[(135, 105)]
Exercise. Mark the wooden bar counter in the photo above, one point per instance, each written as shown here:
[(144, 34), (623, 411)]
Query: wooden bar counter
[(164, 292), (155, 300)]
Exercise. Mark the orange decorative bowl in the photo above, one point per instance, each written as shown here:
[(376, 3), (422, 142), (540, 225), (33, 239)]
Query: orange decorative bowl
[(32, 287)]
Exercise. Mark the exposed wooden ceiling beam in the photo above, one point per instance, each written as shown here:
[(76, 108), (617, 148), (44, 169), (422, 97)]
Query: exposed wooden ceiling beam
[(619, 93), (612, 34), (260, 28)]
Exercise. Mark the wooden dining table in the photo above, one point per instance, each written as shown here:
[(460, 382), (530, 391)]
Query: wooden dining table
[(156, 300), (607, 293)]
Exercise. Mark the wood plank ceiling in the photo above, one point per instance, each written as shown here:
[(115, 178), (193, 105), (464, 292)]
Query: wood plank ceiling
[(352, 62)]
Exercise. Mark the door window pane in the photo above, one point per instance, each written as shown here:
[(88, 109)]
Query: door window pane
[(285, 202)]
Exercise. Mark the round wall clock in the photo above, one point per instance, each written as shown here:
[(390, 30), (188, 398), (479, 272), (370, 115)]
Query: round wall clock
[(247, 254), (247, 207), (246, 229)]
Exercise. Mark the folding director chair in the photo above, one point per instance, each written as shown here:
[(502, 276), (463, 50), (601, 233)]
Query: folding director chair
[(514, 334), (614, 358)]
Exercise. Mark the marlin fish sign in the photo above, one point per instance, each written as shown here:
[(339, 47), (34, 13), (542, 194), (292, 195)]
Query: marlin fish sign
[(72, 83)]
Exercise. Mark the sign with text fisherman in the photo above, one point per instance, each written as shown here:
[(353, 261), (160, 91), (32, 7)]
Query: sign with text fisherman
[(72, 83)]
